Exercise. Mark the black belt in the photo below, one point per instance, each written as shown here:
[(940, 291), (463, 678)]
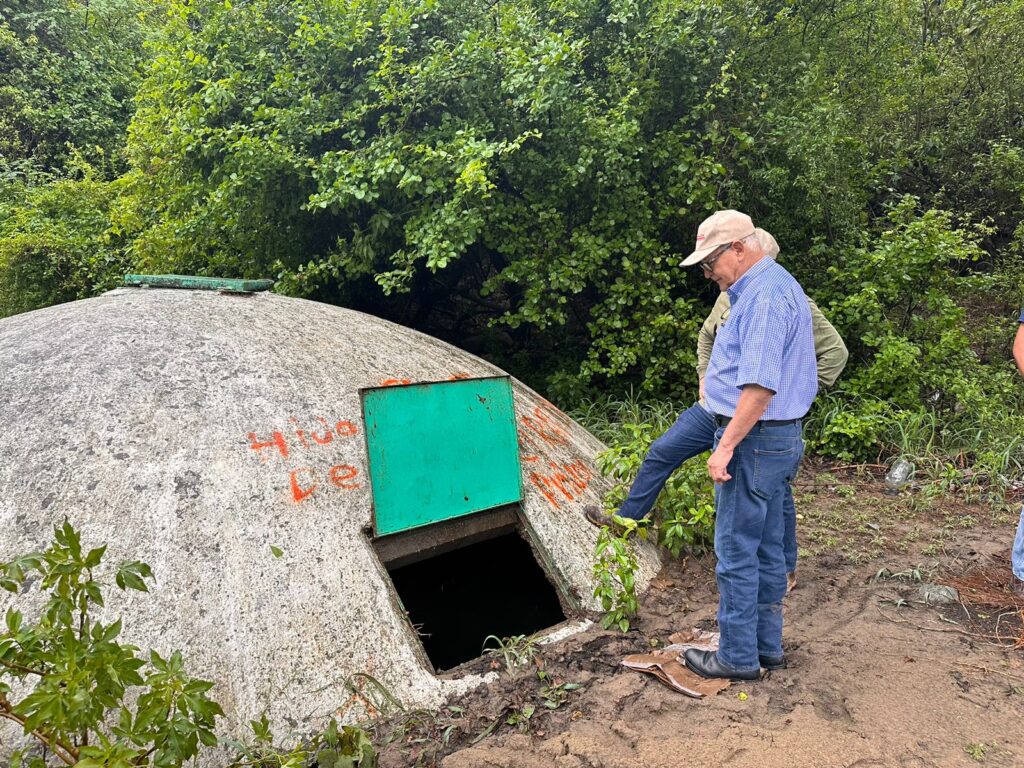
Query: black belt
[(724, 420)]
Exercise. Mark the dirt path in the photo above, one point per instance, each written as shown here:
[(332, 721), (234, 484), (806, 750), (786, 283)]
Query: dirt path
[(877, 677)]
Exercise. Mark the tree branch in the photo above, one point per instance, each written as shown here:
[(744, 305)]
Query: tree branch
[(68, 754), (20, 668)]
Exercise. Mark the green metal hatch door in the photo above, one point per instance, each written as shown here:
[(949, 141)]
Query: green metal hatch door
[(440, 450)]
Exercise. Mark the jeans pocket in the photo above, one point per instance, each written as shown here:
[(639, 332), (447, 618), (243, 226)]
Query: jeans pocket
[(773, 464)]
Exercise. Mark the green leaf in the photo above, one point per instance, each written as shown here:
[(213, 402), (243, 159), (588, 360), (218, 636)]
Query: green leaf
[(132, 575), (277, 551), (95, 556)]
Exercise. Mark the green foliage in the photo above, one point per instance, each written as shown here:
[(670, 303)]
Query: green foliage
[(56, 243), (337, 746), (542, 162), (516, 651), (615, 566), (68, 71), (65, 679), (522, 178), (918, 386), (555, 694)]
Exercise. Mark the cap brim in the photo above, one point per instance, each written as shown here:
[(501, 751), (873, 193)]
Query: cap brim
[(697, 256)]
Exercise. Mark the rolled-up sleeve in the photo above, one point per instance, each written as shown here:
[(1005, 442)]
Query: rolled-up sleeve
[(766, 328), (829, 348)]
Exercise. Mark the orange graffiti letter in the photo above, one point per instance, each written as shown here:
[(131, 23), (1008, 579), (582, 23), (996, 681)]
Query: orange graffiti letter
[(342, 474), (345, 428), (541, 484), (299, 493), (328, 435), (276, 441)]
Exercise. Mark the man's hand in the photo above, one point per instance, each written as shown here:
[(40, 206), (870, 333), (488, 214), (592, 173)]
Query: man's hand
[(718, 464), (753, 401), (700, 388)]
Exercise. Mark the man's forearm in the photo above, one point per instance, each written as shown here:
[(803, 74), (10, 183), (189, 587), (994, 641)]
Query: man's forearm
[(752, 404)]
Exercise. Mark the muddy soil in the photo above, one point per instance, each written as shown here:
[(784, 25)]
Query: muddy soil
[(877, 676)]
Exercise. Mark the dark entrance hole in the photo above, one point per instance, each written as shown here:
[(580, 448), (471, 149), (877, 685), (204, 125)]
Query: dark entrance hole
[(458, 598)]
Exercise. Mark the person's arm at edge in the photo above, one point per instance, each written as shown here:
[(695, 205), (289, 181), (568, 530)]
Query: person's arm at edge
[(706, 338), (1018, 349), (829, 349), (750, 408)]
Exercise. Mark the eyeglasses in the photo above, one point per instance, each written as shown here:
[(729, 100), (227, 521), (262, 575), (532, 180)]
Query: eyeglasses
[(708, 264)]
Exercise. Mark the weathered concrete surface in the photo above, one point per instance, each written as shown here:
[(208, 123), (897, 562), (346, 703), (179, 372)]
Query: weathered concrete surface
[(194, 430)]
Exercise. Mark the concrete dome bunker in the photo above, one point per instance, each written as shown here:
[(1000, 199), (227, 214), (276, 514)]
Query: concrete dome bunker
[(196, 430)]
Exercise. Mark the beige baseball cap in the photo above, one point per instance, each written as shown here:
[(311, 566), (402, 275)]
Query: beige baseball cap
[(768, 244), (717, 230)]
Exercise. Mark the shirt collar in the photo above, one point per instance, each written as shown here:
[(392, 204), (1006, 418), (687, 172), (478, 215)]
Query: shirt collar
[(736, 289)]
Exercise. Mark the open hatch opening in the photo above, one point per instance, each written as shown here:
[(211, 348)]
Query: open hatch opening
[(459, 592), (447, 486)]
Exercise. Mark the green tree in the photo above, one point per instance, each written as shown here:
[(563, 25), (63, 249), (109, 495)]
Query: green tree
[(68, 72), (92, 701), (448, 164)]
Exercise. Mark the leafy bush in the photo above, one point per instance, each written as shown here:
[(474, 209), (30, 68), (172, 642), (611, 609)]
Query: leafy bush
[(88, 699), (917, 385), (57, 245), (451, 164), (69, 71)]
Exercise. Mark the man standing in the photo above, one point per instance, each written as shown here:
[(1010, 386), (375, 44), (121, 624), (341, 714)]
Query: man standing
[(694, 431), (1017, 556), (760, 382)]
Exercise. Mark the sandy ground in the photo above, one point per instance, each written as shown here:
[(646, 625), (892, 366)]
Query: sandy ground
[(877, 676)]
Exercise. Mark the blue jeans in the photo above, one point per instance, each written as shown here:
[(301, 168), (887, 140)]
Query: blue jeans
[(749, 532), (691, 434), (1017, 556)]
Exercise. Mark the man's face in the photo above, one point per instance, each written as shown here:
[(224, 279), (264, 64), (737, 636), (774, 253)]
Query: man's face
[(720, 266), (729, 263)]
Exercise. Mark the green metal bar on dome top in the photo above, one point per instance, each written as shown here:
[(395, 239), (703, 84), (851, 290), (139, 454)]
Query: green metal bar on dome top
[(440, 450), (192, 282)]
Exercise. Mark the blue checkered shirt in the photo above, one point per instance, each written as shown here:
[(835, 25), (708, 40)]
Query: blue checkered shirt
[(767, 340), (1022, 315)]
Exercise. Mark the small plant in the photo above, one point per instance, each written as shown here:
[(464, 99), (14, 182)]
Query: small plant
[(345, 746), (516, 651), (81, 680), (615, 566), (976, 751), (554, 694), (520, 718), (912, 575)]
